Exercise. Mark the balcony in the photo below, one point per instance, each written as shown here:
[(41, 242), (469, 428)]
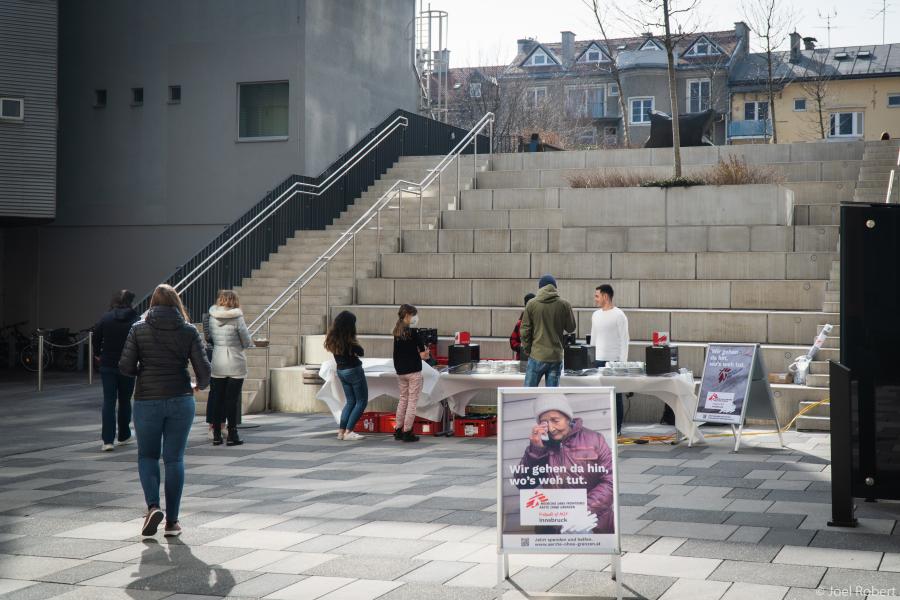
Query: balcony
[(750, 129)]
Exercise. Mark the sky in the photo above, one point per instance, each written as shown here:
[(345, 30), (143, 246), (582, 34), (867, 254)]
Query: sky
[(484, 32)]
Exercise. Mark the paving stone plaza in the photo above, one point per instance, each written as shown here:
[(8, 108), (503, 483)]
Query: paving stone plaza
[(297, 514)]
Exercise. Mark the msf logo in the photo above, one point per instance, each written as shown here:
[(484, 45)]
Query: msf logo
[(536, 500), (724, 373)]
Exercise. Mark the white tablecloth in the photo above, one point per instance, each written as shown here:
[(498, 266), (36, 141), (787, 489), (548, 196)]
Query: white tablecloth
[(677, 392), (382, 380)]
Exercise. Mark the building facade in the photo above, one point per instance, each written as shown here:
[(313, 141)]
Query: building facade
[(28, 126), (835, 94), (569, 88), (176, 117)]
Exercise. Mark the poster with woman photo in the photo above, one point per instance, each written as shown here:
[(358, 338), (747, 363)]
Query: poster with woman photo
[(557, 479)]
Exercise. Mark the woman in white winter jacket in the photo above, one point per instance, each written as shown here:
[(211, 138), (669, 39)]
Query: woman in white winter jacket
[(230, 337)]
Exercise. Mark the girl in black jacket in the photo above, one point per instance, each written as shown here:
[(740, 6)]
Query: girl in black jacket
[(157, 351), (109, 339), (408, 355), (341, 341)]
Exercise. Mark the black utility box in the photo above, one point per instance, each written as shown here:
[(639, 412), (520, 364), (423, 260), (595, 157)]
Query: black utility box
[(661, 360)]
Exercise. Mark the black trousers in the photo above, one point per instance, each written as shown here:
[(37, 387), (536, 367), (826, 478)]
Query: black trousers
[(224, 404)]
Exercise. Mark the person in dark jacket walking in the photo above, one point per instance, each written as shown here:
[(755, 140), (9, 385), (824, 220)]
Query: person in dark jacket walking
[(109, 339), (409, 353), (515, 340), (546, 319), (157, 351), (341, 341)]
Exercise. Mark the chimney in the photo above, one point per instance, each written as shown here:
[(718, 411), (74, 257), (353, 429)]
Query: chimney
[(525, 45), (809, 43), (795, 47), (568, 46), (742, 31)]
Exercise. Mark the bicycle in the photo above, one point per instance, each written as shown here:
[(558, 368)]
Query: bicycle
[(61, 347), (28, 356), (12, 338)]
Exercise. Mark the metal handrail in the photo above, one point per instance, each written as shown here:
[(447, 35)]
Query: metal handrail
[(282, 199), (349, 236), (887, 196)]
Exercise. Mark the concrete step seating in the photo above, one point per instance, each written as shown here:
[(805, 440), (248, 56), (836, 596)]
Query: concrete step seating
[(737, 263), (684, 325), (804, 295), (841, 170), (605, 265)]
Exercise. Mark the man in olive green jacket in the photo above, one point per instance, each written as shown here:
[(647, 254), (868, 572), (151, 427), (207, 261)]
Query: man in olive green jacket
[(547, 317)]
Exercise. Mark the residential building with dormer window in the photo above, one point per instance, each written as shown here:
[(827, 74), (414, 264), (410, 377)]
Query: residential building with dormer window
[(571, 84)]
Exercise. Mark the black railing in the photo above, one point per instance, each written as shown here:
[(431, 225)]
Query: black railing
[(422, 136)]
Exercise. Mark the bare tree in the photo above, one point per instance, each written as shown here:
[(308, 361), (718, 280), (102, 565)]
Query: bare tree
[(613, 52), (815, 86), (668, 14), (716, 70), (771, 21)]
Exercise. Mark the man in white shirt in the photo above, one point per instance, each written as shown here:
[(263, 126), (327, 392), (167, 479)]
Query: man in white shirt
[(609, 336)]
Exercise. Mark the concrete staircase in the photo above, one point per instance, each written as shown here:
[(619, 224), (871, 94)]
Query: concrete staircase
[(730, 264), (266, 283), (878, 160)]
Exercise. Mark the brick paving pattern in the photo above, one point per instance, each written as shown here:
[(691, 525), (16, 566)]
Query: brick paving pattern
[(296, 514)]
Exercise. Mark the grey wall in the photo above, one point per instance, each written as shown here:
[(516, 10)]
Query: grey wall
[(142, 188), (358, 71), (28, 71)]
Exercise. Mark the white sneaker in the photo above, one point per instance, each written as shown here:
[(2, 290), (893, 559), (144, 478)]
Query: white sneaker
[(340, 435), (107, 447), (209, 433), (125, 442), (353, 436)]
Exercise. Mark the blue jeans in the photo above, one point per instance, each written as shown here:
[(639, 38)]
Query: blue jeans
[(162, 427), (117, 390), (356, 390), (537, 369), (620, 403)]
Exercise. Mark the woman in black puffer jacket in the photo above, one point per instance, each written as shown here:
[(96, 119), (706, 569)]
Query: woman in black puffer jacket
[(157, 351)]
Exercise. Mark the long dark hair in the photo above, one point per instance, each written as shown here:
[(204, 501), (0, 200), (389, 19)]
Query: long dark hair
[(165, 295), (400, 329), (342, 334)]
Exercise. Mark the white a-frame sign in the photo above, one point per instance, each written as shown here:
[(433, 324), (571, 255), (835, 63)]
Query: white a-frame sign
[(735, 386)]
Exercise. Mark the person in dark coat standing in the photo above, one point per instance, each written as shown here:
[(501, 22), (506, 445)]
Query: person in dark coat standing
[(109, 339), (158, 350)]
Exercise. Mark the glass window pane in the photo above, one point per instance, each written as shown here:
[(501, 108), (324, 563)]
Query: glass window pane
[(845, 127), (762, 111), (264, 110), (859, 123), (749, 111)]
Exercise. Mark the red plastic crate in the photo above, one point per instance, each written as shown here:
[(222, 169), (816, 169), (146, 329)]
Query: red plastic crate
[(474, 426), (426, 427), (388, 423), (368, 422)]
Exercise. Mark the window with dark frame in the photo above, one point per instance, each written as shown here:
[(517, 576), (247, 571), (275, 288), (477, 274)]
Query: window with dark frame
[(99, 98), (263, 110), (174, 94), (893, 101), (137, 96)]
